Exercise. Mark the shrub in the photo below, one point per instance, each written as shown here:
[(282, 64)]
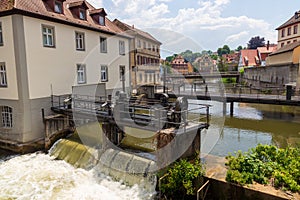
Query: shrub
[(182, 178), (265, 163)]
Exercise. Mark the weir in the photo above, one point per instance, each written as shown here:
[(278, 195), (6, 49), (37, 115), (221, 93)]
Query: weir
[(122, 166), (134, 136)]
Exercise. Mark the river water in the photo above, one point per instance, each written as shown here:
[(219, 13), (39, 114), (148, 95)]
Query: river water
[(39, 176)]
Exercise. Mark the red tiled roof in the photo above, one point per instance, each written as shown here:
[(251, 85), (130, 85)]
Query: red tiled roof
[(6, 5), (251, 55), (126, 27), (39, 9), (96, 11), (266, 50), (76, 4)]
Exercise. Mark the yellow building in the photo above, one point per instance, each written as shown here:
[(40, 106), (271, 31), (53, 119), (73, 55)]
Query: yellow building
[(144, 55), (289, 32)]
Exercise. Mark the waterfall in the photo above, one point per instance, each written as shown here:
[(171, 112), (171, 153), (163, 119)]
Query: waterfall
[(122, 166)]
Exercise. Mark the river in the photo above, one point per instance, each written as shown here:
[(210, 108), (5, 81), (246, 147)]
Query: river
[(39, 176)]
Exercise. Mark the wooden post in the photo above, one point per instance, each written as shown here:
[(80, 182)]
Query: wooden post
[(224, 107), (231, 108)]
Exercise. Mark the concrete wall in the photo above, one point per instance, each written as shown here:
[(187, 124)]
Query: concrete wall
[(278, 75)]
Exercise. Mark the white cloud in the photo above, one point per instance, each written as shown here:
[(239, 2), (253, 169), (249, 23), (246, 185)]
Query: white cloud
[(96, 3), (204, 23), (236, 37)]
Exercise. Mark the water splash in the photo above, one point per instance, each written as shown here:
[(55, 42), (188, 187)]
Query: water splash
[(40, 176)]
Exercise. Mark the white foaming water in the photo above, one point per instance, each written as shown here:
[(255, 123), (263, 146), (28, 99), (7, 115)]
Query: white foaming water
[(39, 176)]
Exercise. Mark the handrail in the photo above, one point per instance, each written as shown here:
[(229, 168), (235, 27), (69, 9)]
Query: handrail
[(159, 183), (201, 188)]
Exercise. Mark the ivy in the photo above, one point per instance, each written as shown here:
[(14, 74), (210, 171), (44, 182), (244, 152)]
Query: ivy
[(182, 179), (266, 164)]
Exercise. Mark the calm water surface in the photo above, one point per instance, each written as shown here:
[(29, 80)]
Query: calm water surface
[(253, 124)]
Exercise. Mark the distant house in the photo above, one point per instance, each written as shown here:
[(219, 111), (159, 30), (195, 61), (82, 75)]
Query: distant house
[(249, 58), (144, 54), (289, 32), (205, 63), (264, 52), (232, 61), (180, 65)]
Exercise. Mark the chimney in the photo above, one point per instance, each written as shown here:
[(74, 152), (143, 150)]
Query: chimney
[(133, 26), (268, 45)]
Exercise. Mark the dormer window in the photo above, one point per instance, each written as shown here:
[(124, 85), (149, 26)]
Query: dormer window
[(82, 14), (98, 16), (101, 20), (58, 7), (78, 9), (55, 5)]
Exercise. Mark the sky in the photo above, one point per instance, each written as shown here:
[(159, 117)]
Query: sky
[(202, 24)]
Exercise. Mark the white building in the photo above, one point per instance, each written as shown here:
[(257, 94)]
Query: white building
[(48, 46)]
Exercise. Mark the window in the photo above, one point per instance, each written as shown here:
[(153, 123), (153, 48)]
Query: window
[(282, 44), (282, 32), (289, 31), (79, 39), (82, 14), (296, 29), (1, 36), (149, 46), (3, 80), (6, 115), (81, 74), (144, 45), (101, 20), (288, 42), (146, 78), (139, 44), (103, 45), (58, 8), (104, 73), (122, 73), (122, 48), (141, 77), (294, 40), (48, 36)]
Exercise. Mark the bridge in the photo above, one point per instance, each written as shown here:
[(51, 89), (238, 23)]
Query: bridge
[(229, 74), (240, 94)]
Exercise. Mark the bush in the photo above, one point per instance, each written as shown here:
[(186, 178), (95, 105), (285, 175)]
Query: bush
[(266, 164), (182, 179)]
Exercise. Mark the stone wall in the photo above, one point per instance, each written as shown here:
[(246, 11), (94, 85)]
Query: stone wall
[(271, 76)]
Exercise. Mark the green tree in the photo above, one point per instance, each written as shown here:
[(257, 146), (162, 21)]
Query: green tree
[(239, 48), (224, 50), (255, 42)]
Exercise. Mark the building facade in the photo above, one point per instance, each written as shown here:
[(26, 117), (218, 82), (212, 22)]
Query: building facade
[(289, 32), (46, 47), (144, 54), (181, 66), (205, 63)]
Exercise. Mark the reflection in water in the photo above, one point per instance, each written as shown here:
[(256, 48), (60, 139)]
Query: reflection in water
[(253, 124)]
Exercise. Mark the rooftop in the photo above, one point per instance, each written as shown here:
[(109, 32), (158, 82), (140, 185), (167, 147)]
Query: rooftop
[(40, 9), (294, 19), (126, 27), (287, 48)]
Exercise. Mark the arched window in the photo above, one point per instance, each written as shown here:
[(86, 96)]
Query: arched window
[(6, 116)]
